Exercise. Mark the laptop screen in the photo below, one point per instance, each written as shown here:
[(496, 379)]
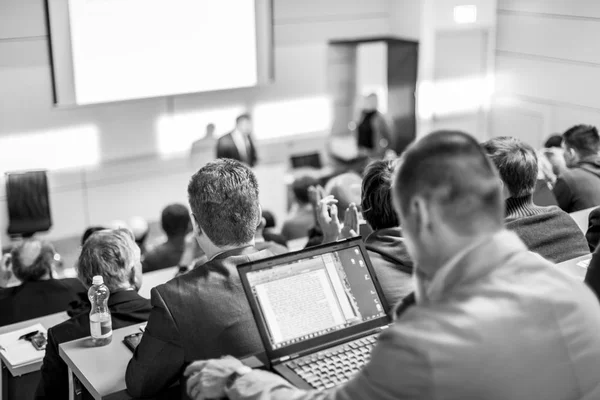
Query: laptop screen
[(314, 296)]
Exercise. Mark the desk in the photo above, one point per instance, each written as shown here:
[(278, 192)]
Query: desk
[(47, 322), (581, 218), (101, 370), (150, 280), (571, 267)]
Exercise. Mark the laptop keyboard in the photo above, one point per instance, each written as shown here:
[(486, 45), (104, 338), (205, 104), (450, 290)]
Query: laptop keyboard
[(331, 367)]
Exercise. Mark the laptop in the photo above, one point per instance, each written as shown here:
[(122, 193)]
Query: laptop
[(319, 311)]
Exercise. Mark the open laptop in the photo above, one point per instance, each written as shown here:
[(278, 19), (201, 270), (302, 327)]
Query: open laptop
[(319, 311)]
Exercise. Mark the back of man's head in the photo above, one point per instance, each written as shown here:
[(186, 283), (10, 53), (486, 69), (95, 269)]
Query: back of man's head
[(377, 204), (32, 260), (175, 220), (300, 188), (346, 190), (583, 139), (450, 171), (516, 162), (223, 196), (89, 231), (113, 254), (553, 141)]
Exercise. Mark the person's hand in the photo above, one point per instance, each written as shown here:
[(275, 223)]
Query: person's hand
[(5, 269), (207, 379), (315, 195), (190, 250), (327, 213), (351, 225)]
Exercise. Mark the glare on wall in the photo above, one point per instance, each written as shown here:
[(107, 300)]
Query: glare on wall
[(177, 132), (71, 147), (282, 118)]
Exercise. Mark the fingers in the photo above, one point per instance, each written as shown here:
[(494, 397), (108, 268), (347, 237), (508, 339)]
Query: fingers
[(193, 384), (333, 210), (195, 367), (323, 208)]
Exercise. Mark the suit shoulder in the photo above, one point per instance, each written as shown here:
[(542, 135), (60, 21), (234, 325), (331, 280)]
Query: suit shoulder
[(74, 328)]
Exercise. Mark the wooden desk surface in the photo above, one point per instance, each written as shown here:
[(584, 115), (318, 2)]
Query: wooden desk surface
[(47, 322), (101, 369), (150, 280), (573, 269), (581, 218)]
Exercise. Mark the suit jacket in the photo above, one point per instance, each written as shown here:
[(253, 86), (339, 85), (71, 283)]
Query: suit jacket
[(226, 148), (37, 299), (593, 233), (496, 323), (200, 315), (578, 188), (126, 307)]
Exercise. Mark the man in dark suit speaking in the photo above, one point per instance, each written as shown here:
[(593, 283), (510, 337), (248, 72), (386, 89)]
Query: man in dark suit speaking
[(238, 144)]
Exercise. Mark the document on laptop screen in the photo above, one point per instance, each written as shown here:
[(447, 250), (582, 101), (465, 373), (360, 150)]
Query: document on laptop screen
[(308, 299)]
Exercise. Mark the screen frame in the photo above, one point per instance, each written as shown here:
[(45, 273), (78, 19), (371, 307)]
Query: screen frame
[(320, 341), (58, 18)]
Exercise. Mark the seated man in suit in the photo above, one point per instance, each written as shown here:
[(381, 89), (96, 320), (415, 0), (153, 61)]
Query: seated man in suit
[(238, 144), (175, 222), (39, 293), (115, 256), (548, 231), (204, 313), (578, 186)]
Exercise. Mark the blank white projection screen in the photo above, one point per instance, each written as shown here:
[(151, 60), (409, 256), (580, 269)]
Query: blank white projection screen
[(130, 49)]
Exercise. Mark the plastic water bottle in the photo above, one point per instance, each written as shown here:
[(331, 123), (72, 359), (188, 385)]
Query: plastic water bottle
[(100, 320)]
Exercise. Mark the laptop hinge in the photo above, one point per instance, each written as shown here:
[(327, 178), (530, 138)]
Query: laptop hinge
[(328, 345)]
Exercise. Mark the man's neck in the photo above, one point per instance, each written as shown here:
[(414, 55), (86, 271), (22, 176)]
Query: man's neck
[(176, 240), (215, 251)]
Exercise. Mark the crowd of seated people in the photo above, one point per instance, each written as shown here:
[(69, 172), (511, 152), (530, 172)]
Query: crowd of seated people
[(454, 237)]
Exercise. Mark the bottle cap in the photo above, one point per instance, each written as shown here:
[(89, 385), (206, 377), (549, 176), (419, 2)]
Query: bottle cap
[(98, 280)]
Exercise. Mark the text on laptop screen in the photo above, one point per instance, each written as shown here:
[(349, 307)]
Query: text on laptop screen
[(315, 296)]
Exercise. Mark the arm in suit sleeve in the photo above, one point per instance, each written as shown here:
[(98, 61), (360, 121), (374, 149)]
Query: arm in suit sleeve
[(395, 372), (593, 233), (563, 194), (592, 276), (54, 381), (159, 359)]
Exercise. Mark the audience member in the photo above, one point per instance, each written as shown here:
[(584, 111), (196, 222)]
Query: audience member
[(593, 232), (204, 313), (114, 255), (578, 186), (491, 320), (548, 231), (301, 217), (89, 231), (270, 233), (261, 243), (238, 144), (139, 228), (385, 245), (205, 142), (39, 294), (175, 222)]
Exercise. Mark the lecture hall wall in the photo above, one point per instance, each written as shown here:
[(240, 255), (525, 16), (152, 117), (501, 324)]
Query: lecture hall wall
[(117, 160), (547, 67)]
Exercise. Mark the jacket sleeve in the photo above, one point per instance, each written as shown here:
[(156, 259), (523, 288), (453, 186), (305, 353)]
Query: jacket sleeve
[(592, 276), (159, 359), (397, 371), (593, 233), (54, 381), (563, 194)]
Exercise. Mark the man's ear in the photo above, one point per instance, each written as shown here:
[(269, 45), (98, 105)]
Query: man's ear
[(422, 214), (260, 216), (196, 225)]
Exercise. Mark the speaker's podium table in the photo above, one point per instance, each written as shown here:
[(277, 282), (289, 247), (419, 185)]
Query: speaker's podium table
[(24, 377)]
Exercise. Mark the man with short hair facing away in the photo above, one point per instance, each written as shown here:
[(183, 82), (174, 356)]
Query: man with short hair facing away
[(578, 186), (39, 294), (239, 144), (491, 320), (175, 222), (204, 313), (301, 218), (548, 231), (114, 255)]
